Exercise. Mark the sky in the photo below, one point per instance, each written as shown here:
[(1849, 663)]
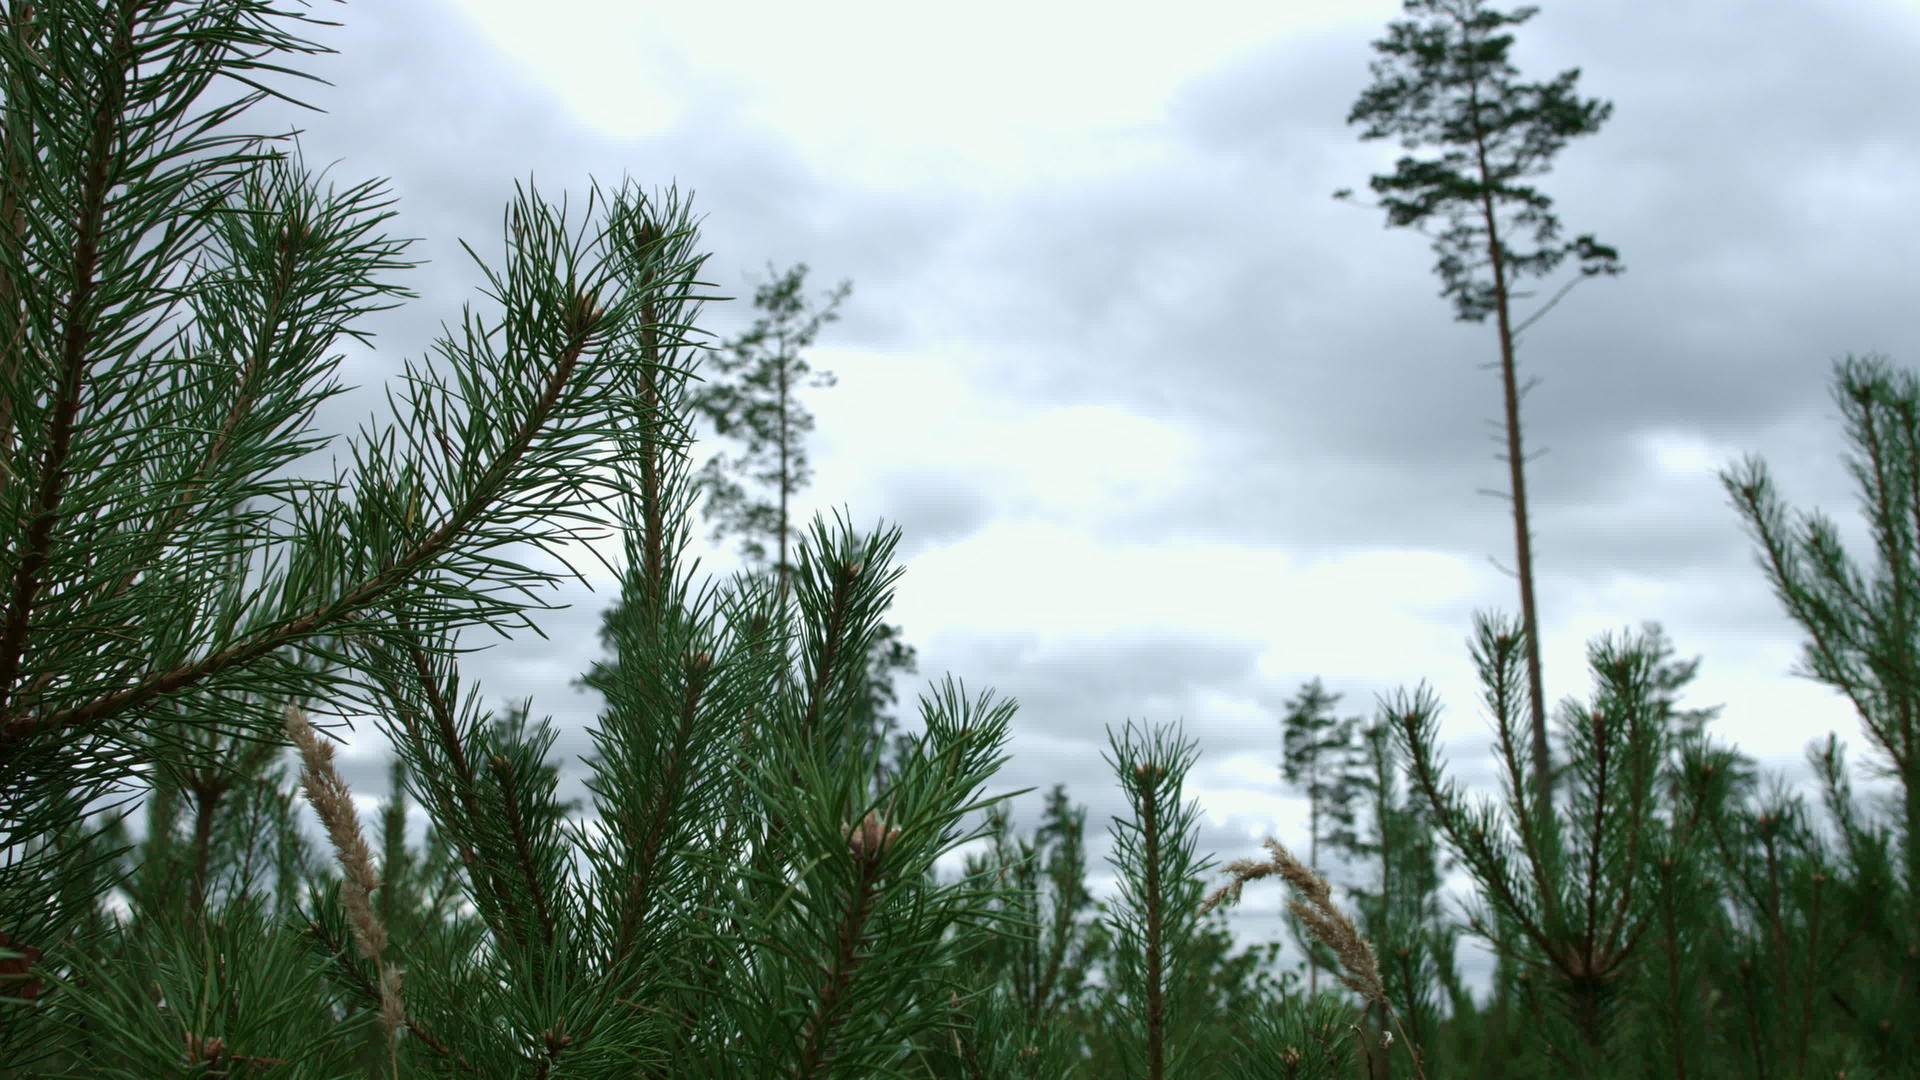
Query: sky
[(1167, 430)]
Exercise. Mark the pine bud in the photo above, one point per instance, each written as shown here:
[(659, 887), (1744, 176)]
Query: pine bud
[(203, 1050), (13, 970), (871, 838), (585, 313)]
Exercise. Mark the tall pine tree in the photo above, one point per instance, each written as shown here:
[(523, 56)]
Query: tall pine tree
[(1443, 80)]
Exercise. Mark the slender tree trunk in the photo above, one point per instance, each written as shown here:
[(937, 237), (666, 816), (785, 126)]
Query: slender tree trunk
[(207, 800), (786, 483), (650, 493), (1516, 471), (1313, 860), (1912, 793)]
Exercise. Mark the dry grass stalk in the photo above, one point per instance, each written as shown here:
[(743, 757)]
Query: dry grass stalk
[(333, 801), (1327, 923)]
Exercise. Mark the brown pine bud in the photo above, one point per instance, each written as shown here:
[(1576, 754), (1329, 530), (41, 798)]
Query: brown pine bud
[(871, 838), (585, 313), (13, 970), (203, 1050)]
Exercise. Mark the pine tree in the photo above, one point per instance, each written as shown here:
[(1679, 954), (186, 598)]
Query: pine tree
[(1317, 752), (1031, 985), (1444, 81), (1565, 909), (1865, 643), (1157, 1018), (752, 398), (1402, 915), (1880, 671)]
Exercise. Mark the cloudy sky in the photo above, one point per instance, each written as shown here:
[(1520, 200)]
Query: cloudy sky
[(1167, 430)]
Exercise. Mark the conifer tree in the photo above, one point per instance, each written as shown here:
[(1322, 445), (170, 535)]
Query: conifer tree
[(1573, 906), (1032, 985), (1402, 915), (1444, 80), (751, 397), (1866, 640), (1317, 751), (1157, 1011)]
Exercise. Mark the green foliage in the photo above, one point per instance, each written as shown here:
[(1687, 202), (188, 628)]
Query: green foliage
[(1445, 81), (1306, 1040)]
